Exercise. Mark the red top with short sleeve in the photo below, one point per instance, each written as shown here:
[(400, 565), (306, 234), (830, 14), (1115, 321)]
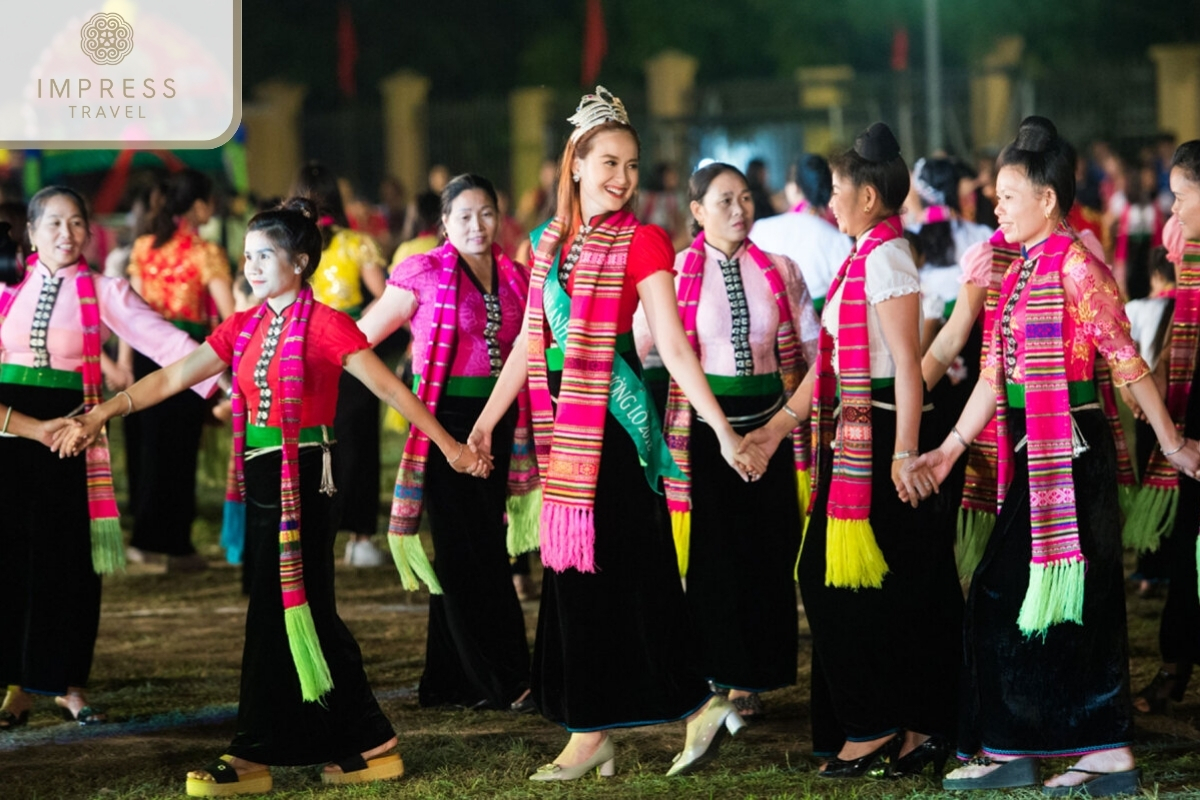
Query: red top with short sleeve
[(650, 251), (332, 337)]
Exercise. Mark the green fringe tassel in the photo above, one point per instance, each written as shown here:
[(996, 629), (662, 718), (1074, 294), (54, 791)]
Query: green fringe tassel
[(974, 530), (1055, 595), (412, 563), (108, 546), (681, 532), (1127, 499), (311, 668), (524, 512), (853, 559), (1151, 517)]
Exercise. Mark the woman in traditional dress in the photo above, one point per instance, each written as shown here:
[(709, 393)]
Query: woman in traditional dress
[(350, 260), (186, 280), (464, 302), (1179, 628), (751, 323), (304, 695), (878, 583), (61, 532), (1033, 685), (613, 644)]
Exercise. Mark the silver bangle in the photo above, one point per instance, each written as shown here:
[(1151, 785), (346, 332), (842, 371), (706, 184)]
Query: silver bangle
[(788, 410), (1168, 453), (461, 447), (960, 438), (7, 417), (903, 454), (128, 400)]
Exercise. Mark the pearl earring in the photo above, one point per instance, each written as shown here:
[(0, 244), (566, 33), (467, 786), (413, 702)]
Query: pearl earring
[(575, 177), (298, 270)]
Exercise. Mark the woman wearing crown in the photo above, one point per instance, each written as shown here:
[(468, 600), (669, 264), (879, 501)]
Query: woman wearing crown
[(613, 644)]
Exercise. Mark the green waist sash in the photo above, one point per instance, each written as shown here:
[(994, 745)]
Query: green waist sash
[(1079, 392), (45, 377), (464, 386), (554, 353), (745, 385), (258, 436)]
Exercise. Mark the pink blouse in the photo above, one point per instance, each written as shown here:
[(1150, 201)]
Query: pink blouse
[(419, 275), (714, 316), (1095, 321), (121, 312)]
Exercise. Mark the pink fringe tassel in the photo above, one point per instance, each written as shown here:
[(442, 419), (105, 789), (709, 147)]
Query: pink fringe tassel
[(568, 537)]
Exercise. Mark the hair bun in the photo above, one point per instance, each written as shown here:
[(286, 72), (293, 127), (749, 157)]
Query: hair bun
[(877, 144), (302, 205), (1036, 135)]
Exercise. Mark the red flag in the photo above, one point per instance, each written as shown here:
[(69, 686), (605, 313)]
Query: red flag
[(347, 51), (900, 50), (595, 42)]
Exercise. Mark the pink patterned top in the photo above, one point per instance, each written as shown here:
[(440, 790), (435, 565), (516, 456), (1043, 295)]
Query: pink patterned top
[(121, 312), (1095, 321), (418, 275)]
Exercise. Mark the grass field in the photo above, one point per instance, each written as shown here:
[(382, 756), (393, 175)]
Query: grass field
[(167, 665)]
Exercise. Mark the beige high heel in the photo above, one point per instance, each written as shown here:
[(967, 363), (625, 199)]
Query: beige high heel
[(705, 734), (602, 761)]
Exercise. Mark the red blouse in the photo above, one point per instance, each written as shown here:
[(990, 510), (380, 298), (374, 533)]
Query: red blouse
[(332, 337), (650, 251)]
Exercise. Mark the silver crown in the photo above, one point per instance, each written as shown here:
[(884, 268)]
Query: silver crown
[(596, 108)]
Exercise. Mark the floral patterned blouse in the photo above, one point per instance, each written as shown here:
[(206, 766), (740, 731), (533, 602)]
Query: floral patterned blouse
[(1095, 321), (175, 277)]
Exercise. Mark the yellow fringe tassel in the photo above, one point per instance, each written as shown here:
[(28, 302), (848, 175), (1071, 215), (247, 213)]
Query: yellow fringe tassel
[(804, 489), (853, 559), (681, 529)]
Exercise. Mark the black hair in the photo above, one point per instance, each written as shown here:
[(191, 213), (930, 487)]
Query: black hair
[(1187, 158), (1048, 161), (1161, 265), (429, 211), (464, 183), (318, 183), (292, 225), (811, 174), (37, 204), (16, 214), (180, 191), (914, 241), (938, 176), (875, 160), (700, 181)]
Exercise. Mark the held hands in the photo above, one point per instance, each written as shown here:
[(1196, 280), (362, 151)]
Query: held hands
[(922, 476), (764, 438), (747, 458), (50, 430), (75, 437), (1187, 459), (464, 460)]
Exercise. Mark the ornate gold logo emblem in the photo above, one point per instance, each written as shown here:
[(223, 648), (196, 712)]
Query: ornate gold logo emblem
[(106, 38)]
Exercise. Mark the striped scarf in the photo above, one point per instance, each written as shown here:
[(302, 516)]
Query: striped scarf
[(108, 546), (315, 680), (1153, 512), (408, 497), (853, 558), (568, 444), (678, 423)]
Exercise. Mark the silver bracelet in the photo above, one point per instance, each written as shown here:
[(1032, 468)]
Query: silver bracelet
[(960, 438), (128, 400), (903, 454), (788, 410), (461, 447), (1168, 453), (7, 417)]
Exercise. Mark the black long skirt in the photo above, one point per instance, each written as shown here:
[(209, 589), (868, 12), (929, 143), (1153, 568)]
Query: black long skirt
[(50, 594), (885, 659), (744, 541), (476, 653), (356, 458), (615, 647), (164, 443), (275, 726), (1066, 693)]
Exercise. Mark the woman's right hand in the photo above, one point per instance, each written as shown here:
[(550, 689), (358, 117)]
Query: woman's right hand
[(73, 439), (480, 441), (937, 463), (1187, 460), (467, 461)]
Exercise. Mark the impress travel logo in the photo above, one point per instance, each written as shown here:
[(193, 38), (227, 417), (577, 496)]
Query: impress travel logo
[(128, 73)]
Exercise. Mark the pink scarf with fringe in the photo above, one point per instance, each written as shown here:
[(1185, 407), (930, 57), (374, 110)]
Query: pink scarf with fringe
[(568, 443)]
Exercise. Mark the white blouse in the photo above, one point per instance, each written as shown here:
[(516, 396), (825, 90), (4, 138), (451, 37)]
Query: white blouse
[(890, 272)]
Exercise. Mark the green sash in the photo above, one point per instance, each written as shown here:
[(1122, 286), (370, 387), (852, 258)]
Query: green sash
[(628, 398)]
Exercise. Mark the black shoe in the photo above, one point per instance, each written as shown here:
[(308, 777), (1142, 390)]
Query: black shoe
[(1009, 775), (933, 750), (877, 764), (1165, 686)]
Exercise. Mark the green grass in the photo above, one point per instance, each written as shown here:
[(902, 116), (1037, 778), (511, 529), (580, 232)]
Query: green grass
[(167, 669)]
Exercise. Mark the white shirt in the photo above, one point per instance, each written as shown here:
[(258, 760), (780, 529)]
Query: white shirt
[(890, 272), (1145, 316), (818, 248)]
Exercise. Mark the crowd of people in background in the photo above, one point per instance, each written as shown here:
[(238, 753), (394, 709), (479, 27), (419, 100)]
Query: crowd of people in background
[(630, 377)]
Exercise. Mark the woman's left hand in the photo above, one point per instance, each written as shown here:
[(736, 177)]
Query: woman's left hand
[(1187, 460), (749, 461), (913, 485)]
